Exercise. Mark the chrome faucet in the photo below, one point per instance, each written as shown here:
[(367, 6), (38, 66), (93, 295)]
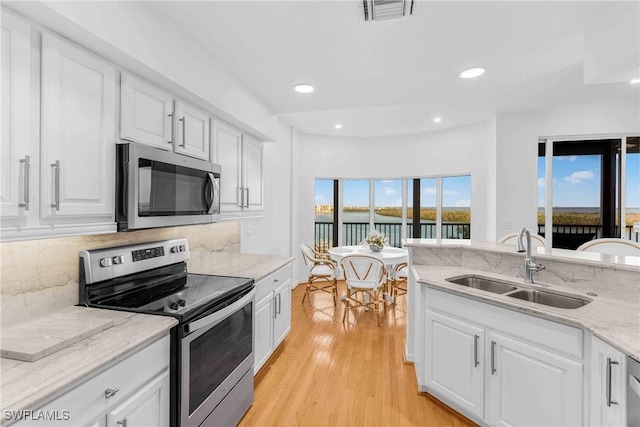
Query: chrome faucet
[(529, 266)]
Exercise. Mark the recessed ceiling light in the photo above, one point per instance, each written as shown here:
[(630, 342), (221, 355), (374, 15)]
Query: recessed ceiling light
[(472, 73), (338, 126), (635, 81), (437, 119), (304, 88)]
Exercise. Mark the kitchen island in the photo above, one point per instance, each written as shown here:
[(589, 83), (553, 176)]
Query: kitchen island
[(500, 359)]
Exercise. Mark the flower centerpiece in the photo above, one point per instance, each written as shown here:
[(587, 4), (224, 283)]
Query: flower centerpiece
[(376, 240)]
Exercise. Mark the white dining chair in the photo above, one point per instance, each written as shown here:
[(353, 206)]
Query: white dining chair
[(611, 246), (512, 239), (365, 276), (399, 278), (322, 275)]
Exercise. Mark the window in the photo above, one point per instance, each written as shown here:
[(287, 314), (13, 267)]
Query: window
[(587, 198), (381, 204)]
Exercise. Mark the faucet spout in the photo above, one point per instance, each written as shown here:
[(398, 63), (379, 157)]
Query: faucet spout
[(530, 266)]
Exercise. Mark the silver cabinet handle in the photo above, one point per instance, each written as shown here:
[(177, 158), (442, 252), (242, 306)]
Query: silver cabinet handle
[(171, 141), (493, 357), (247, 204), (241, 198), (122, 423), (608, 381), (275, 307), (56, 167), (27, 182), (110, 392), (475, 351), (279, 303), (184, 132)]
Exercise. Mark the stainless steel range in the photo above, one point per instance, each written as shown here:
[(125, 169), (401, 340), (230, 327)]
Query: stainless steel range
[(211, 348)]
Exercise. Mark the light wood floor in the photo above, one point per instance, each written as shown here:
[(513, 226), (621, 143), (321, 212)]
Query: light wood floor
[(327, 373)]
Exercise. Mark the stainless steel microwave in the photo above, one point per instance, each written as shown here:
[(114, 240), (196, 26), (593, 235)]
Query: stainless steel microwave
[(157, 188)]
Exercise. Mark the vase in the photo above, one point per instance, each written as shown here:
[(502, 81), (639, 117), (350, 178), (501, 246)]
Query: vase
[(375, 248)]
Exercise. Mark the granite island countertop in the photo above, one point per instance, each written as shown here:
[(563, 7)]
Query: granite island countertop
[(613, 318), (29, 385)]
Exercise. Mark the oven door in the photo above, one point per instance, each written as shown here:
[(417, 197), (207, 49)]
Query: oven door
[(216, 354), (157, 188)]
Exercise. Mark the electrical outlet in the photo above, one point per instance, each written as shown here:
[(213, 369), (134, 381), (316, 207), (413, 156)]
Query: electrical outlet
[(248, 230), (508, 225)]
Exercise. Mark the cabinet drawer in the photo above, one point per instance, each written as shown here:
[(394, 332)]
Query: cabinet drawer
[(270, 282), (87, 401), (558, 337)]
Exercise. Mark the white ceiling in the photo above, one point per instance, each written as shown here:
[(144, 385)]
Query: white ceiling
[(394, 77)]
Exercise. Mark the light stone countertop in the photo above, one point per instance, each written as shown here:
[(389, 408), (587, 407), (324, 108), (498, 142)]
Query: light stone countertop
[(234, 264), (611, 318), (29, 385)]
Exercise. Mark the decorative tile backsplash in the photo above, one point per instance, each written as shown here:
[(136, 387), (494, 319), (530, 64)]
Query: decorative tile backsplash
[(38, 277)]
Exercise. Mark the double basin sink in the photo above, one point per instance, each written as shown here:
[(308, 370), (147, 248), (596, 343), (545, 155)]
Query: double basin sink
[(548, 298)]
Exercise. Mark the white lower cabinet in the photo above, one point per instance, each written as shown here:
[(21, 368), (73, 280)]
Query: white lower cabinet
[(272, 320), (148, 407), (532, 386), (134, 392), (501, 367), (453, 366), (608, 398)]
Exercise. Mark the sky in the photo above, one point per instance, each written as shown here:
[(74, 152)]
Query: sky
[(576, 181), (456, 192)]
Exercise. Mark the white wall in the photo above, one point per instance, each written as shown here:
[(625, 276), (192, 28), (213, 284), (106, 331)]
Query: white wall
[(517, 145), (455, 151)]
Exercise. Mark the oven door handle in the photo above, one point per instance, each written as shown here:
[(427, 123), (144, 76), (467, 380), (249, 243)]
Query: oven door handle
[(216, 317)]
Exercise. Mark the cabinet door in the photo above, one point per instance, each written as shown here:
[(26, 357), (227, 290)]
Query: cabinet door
[(227, 151), (608, 386), (531, 386), (78, 133), (263, 331), (454, 361), (17, 160), (192, 129), (252, 169), (148, 407), (146, 113), (282, 322)]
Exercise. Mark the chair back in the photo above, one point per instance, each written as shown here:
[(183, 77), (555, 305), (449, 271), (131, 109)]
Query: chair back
[(363, 271), (512, 239), (308, 255), (611, 247)]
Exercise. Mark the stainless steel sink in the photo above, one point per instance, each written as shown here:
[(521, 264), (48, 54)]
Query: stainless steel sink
[(483, 283), (549, 298)]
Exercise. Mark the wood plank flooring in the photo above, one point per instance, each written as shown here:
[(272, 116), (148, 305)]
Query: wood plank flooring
[(327, 373)]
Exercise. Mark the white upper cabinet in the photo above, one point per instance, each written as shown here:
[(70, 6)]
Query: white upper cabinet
[(252, 168), (146, 113), (19, 159), (192, 129), (241, 157), (227, 151), (78, 133), (150, 116)]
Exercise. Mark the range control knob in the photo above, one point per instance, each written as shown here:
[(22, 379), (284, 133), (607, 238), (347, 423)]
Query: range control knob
[(173, 306), (182, 302), (175, 249), (118, 259), (106, 262)]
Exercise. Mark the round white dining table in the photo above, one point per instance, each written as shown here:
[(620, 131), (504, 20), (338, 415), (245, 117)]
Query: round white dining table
[(389, 255)]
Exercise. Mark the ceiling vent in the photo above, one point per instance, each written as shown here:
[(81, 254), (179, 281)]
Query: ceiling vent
[(385, 10)]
